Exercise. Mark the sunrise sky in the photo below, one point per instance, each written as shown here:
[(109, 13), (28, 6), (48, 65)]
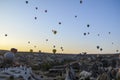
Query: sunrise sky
[(17, 20)]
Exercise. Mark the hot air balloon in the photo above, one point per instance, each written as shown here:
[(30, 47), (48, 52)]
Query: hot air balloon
[(101, 49), (80, 1), (75, 16), (36, 8), (84, 34), (59, 23), (35, 18), (26, 2), (117, 50), (54, 51), (46, 39), (112, 43), (39, 51), (88, 33), (98, 47), (31, 50), (45, 11), (53, 46), (35, 46), (88, 25), (61, 47), (28, 42), (6, 35), (98, 34), (54, 31)]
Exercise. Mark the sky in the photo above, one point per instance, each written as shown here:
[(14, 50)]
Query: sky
[(17, 20)]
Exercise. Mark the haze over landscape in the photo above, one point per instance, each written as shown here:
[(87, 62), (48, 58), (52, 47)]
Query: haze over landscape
[(80, 27)]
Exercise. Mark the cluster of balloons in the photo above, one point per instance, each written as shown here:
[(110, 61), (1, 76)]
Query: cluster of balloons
[(54, 31), (62, 48), (98, 47), (87, 33), (35, 8)]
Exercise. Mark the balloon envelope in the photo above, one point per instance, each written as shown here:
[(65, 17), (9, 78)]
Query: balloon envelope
[(26, 2), (5, 34), (59, 22), (53, 46), (76, 16), (98, 34), (54, 51), (45, 11), (36, 8), (88, 33), (101, 49), (98, 47), (29, 42), (112, 43), (54, 31), (35, 18), (46, 39), (80, 1), (88, 25), (61, 47), (117, 50), (84, 34)]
